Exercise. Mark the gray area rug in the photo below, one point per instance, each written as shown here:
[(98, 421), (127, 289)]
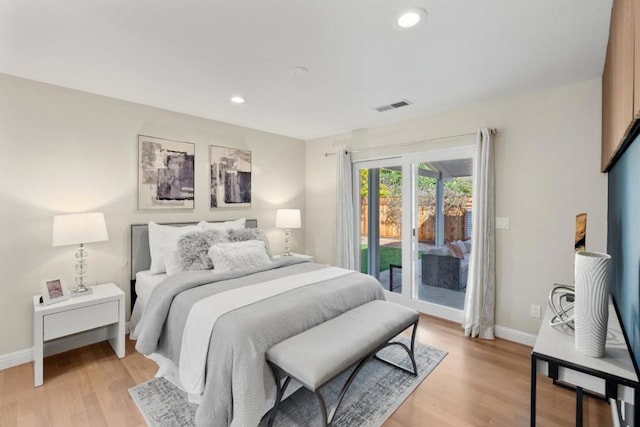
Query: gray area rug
[(375, 394)]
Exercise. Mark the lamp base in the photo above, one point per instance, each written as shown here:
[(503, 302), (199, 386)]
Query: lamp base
[(80, 292)]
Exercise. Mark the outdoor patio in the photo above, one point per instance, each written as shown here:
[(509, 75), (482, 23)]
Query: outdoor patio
[(432, 294)]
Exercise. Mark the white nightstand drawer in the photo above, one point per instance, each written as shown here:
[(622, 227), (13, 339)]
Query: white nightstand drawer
[(81, 319)]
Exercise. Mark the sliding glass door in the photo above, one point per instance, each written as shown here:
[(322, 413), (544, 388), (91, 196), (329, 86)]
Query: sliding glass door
[(414, 221)]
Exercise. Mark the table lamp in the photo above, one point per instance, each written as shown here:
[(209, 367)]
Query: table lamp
[(79, 229), (288, 219)]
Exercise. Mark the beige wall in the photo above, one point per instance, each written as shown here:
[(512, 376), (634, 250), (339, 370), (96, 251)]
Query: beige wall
[(68, 151), (547, 171)]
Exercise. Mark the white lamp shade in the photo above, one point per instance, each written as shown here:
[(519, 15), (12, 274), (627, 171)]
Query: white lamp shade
[(288, 218), (79, 228)]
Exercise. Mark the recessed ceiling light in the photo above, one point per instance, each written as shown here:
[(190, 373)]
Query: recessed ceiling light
[(237, 99), (411, 17)]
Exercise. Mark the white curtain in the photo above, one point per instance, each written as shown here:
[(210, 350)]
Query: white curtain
[(344, 253), (479, 311)]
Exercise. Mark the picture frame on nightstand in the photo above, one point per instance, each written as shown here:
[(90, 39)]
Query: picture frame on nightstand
[(53, 291)]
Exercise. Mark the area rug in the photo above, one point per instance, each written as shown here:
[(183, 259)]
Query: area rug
[(375, 394)]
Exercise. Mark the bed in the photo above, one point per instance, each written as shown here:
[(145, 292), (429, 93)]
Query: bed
[(209, 331)]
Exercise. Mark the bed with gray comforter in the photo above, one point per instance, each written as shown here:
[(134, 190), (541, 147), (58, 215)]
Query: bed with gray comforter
[(238, 383)]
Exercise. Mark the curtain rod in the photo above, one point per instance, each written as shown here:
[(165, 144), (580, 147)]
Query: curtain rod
[(493, 131)]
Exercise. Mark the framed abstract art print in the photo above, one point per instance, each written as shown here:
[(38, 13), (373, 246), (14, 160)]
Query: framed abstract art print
[(230, 177), (165, 173)]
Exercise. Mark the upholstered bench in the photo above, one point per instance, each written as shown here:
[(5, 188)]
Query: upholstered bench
[(317, 355)]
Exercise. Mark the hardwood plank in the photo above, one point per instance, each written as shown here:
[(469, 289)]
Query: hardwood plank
[(479, 383)]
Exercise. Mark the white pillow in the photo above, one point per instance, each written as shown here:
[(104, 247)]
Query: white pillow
[(172, 263), (467, 244), (163, 239), (462, 246), (238, 256), (223, 226), (446, 251)]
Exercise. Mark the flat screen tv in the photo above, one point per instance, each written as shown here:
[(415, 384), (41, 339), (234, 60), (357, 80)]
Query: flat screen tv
[(623, 244)]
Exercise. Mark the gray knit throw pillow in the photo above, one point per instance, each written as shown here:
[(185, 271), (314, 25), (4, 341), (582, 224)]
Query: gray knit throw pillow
[(244, 234), (193, 248)]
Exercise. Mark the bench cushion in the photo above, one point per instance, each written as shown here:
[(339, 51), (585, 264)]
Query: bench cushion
[(317, 355)]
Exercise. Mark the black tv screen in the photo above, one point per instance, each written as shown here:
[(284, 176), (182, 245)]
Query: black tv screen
[(623, 243)]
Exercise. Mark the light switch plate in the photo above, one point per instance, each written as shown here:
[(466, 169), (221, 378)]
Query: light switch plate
[(502, 223)]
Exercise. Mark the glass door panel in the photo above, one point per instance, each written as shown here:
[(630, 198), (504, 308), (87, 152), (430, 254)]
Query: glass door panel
[(380, 193), (443, 200)]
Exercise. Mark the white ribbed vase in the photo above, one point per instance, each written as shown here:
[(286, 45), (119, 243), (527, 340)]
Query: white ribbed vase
[(593, 273)]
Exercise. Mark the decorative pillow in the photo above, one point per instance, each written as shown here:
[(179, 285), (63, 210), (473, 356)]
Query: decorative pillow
[(245, 234), (223, 226), (238, 256), (457, 252), (193, 248), (441, 251), (172, 263), (163, 239), (462, 246)]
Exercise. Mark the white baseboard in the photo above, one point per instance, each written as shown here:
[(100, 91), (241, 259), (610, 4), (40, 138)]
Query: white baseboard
[(16, 358), (56, 346), (515, 335)]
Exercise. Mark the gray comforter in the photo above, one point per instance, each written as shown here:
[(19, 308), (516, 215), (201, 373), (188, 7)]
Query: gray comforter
[(238, 380)]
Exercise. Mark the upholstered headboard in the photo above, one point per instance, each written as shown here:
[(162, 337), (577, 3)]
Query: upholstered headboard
[(141, 255)]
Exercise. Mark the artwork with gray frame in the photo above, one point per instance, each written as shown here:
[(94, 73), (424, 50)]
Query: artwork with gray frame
[(165, 173), (230, 170)]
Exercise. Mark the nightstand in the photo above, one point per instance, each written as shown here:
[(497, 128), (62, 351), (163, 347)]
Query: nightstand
[(309, 257), (105, 307)]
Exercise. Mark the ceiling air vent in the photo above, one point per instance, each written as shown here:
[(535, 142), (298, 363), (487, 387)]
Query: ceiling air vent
[(393, 106)]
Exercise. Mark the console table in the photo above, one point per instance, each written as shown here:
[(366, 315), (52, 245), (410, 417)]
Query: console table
[(611, 377)]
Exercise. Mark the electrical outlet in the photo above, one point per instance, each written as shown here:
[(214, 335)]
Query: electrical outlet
[(535, 311), (502, 223)]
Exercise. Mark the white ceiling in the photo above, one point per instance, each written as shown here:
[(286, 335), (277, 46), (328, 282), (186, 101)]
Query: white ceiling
[(190, 56)]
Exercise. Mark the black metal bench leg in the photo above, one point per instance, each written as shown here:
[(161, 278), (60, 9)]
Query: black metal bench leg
[(410, 353), (374, 355), (413, 347), (323, 409), (346, 385), (279, 393)]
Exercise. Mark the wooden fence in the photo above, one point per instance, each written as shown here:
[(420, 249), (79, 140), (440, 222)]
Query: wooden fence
[(455, 225)]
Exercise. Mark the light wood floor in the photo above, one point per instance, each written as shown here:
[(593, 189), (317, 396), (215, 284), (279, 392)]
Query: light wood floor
[(479, 383)]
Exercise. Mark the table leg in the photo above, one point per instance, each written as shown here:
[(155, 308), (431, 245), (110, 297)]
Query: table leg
[(579, 397), (37, 350), (391, 267), (116, 332), (636, 405), (533, 389)]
